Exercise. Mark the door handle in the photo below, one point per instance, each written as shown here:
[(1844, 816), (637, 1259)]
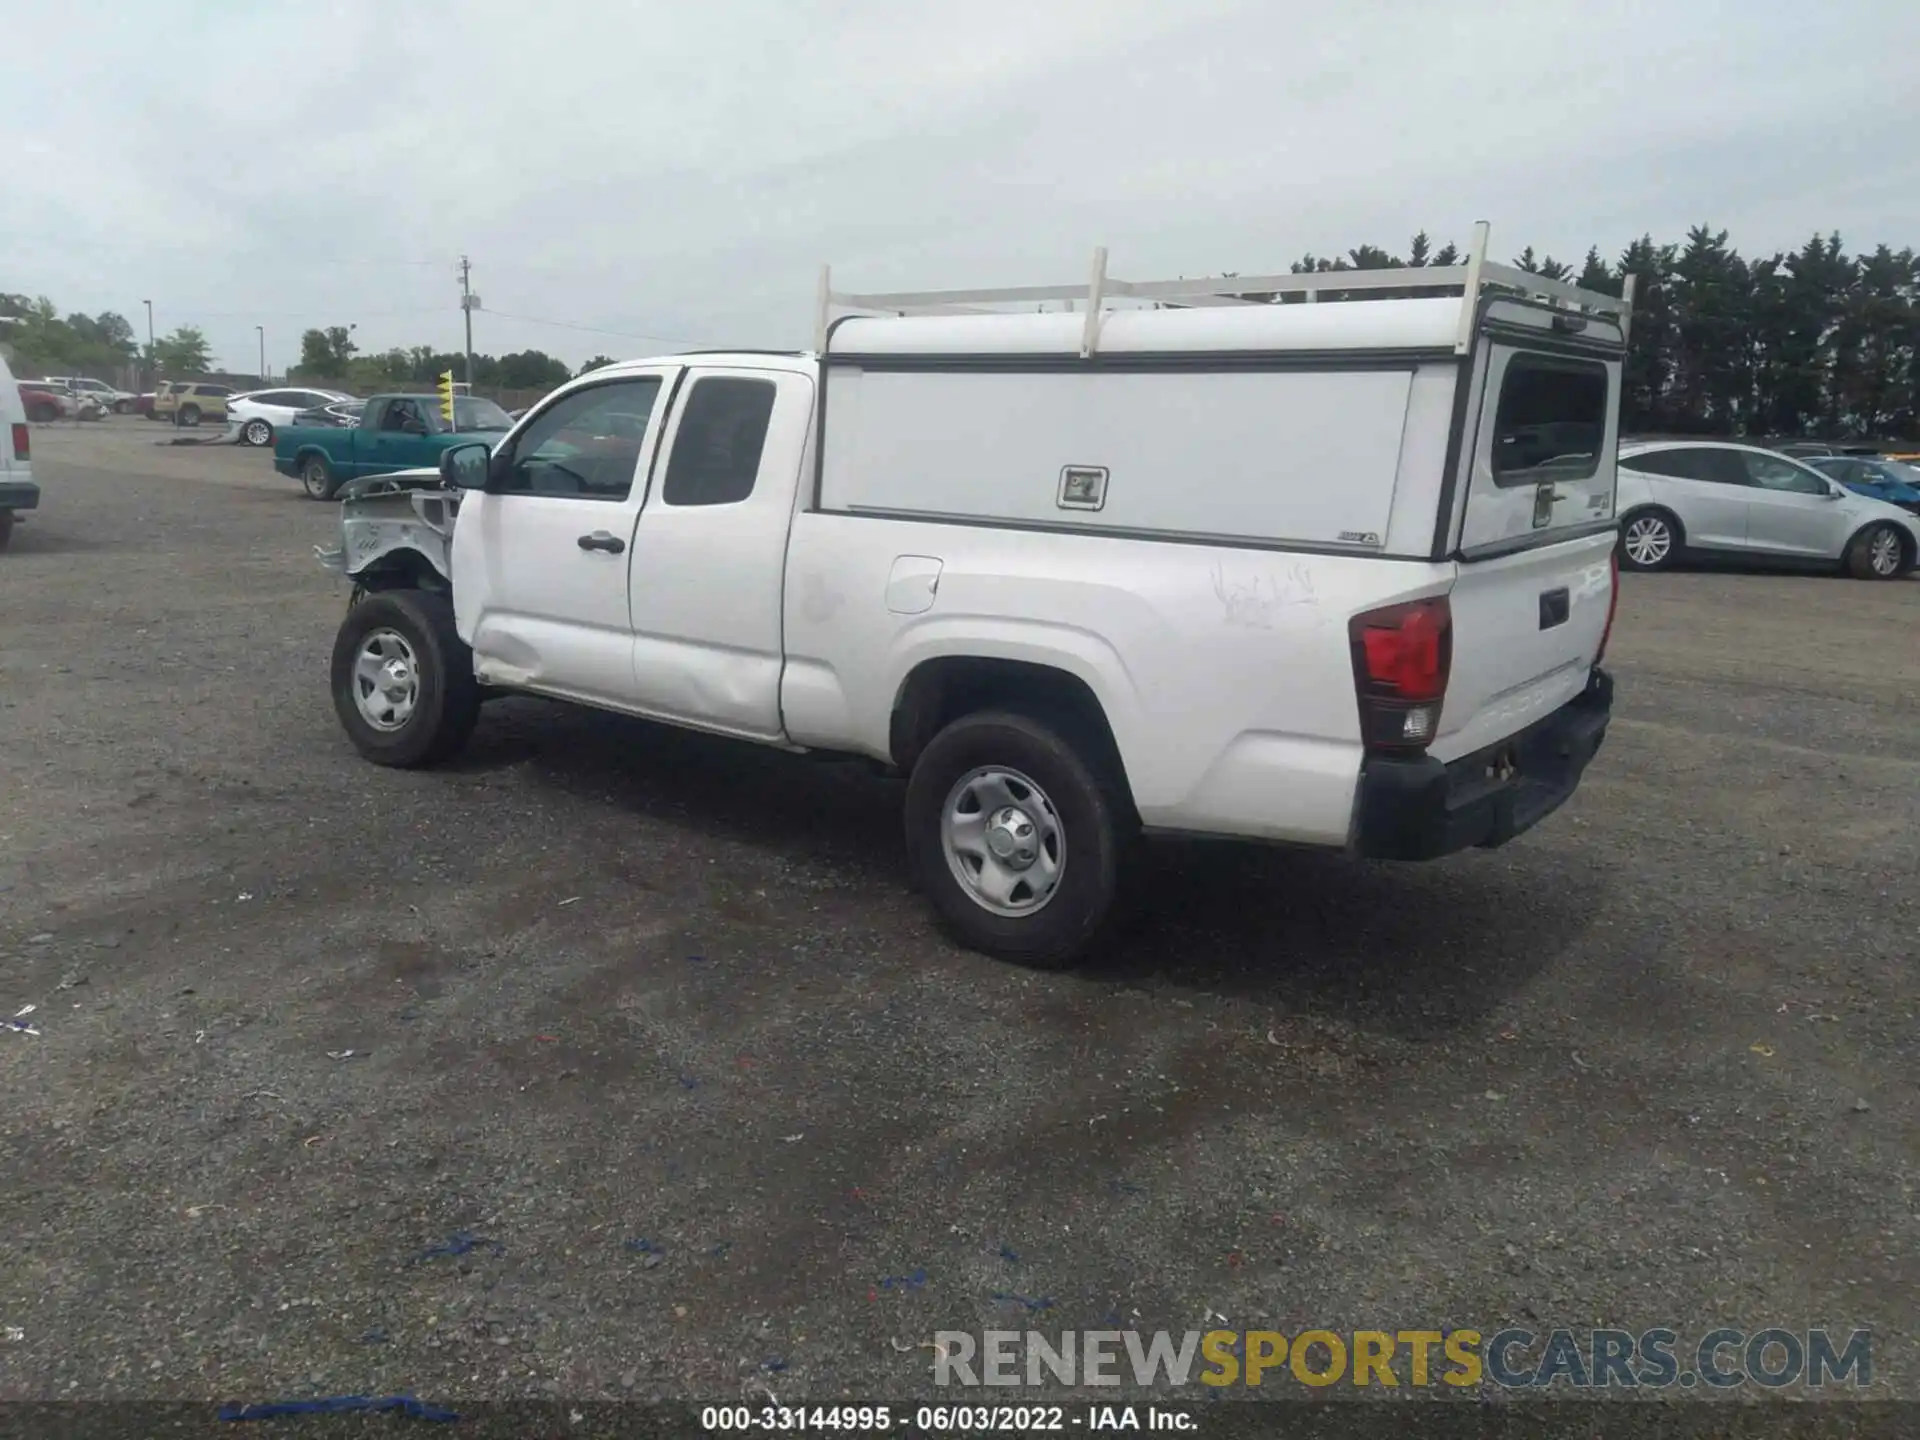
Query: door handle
[(1556, 607), (601, 540)]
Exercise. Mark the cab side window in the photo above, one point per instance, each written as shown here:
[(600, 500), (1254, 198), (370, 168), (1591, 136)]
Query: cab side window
[(586, 446), (716, 452)]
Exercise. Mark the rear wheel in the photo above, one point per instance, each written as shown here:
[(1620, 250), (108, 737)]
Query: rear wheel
[(189, 414), (122, 407), (44, 414), (257, 432), (403, 683), (316, 478), (6, 527), (1878, 553), (1017, 836), (1649, 540)]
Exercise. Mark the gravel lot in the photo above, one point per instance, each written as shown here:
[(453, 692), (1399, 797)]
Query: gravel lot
[(661, 1017)]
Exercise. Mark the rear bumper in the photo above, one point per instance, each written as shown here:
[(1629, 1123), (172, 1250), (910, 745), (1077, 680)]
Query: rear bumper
[(19, 495), (1420, 809)]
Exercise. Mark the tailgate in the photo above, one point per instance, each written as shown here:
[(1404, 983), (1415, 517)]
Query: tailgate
[(1527, 628), (1536, 531)]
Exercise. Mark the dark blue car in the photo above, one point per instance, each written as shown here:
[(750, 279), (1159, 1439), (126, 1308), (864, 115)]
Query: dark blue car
[(1887, 480)]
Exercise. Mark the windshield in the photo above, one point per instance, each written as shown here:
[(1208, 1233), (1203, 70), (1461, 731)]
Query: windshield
[(472, 413)]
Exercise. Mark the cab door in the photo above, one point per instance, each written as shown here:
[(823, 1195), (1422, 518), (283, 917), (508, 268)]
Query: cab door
[(543, 555), (397, 441), (709, 561)]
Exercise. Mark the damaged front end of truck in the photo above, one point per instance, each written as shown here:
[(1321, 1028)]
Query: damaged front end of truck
[(396, 533)]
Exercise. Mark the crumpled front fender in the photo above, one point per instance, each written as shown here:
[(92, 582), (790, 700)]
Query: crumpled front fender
[(385, 515)]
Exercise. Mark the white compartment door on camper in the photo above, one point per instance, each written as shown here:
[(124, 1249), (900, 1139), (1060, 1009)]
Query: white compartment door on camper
[(1277, 455), (1535, 583)]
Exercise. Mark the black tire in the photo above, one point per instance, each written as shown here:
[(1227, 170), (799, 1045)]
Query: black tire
[(1092, 812), (122, 407), (44, 414), (257, 432), (446, 698), (6, 527), (317, 477), (1868, 553), (190, 415), (1646, 525)]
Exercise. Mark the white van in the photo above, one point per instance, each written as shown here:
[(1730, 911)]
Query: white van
[(1336, 574), (17, 491)]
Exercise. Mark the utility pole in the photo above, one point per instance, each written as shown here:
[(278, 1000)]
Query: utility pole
[(153, 367), (261, 331), (469, 302)]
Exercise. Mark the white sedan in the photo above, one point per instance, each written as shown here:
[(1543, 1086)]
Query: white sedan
[(253, 418), (1678, 497)]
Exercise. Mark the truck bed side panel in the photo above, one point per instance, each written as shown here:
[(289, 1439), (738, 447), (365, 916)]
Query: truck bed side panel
[(1224, 672)]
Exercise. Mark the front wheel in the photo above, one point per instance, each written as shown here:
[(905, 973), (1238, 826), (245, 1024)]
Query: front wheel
[(1016, 837), (257, 432), (1649, 540), (122, 407), (1877, 554), (189, 414), (316, 478), (403, 682)]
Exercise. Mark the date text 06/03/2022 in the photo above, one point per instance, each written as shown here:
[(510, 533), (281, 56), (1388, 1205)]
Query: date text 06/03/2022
[(946, 1419)]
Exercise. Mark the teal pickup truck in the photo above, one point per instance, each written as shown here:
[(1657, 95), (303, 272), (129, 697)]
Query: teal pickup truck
[(396, 432)]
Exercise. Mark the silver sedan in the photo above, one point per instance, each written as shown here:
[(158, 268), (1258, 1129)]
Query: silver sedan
[(1698, 496)]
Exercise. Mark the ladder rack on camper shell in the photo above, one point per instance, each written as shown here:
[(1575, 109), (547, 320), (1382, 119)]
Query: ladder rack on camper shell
[(1477, 276)]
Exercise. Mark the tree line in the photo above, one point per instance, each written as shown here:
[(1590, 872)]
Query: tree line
[(1814, 343), (100, 345), (329, 356)]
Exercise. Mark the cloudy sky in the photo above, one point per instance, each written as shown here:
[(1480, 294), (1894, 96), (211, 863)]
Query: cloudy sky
[(676, 173)]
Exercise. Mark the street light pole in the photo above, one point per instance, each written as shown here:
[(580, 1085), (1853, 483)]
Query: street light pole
[(152, 360), (261, 331)]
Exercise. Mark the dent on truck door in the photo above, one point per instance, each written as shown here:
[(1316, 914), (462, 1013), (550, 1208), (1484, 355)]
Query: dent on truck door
[(710, 550)]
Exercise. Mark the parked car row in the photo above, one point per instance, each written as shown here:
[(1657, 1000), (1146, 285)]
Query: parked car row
[(85, 387), (1698, 497), (255, 417), (58, 399)]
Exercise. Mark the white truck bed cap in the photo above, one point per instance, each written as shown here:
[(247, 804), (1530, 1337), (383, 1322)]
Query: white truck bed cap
[(1213, 313)]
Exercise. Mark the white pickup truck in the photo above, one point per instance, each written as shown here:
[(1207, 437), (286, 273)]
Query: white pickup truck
[(1334, 574)]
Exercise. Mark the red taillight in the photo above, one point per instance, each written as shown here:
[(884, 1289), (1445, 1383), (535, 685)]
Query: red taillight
[(1401, 658), (22, 450), (1613, 602)]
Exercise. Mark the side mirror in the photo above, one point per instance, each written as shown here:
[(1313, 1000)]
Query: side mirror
[(465, 467), (1836, 492)]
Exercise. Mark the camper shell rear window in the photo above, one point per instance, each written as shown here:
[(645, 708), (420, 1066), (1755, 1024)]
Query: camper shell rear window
[(1551, 420)]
